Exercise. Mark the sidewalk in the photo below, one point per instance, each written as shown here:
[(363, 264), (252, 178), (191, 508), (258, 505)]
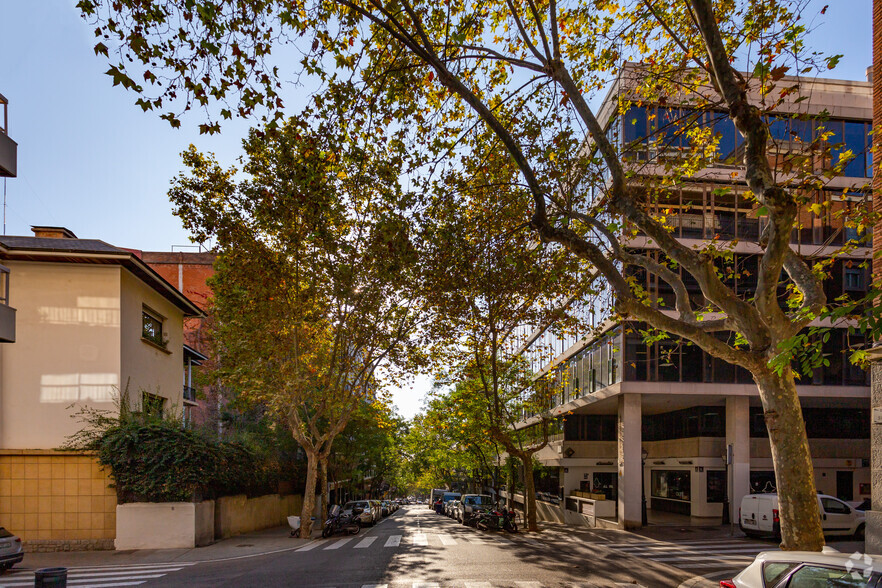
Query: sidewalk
[(263, 542)]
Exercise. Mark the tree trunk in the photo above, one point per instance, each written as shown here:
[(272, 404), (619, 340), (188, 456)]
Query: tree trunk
[(792, 460), (529, 493), (323, 483), (309, 495)]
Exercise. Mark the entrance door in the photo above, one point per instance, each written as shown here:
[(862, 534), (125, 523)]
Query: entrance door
[(845, 485)]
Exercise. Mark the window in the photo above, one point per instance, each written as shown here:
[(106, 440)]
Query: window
[(151, 327), (152, 404), (774, 571), (834, 506), (671, 484), (854, 279), (822, 577), (716, 485)]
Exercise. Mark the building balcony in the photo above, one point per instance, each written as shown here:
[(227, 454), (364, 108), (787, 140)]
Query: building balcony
[(8, 147), (189, 394), (7, 313)]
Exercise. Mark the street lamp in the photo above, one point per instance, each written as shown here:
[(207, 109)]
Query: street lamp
[(643, 518)]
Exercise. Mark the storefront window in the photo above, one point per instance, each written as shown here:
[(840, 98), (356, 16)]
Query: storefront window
[(606, 483), (716, 485), (672, 484)]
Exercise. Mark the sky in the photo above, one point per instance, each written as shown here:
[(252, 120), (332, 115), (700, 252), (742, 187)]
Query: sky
[(92, 161)]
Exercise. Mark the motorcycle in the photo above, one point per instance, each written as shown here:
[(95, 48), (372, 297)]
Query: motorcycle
[(340, 523), (496, 520)]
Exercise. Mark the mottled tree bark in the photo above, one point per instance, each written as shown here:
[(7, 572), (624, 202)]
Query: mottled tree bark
[(309, 494), (792, 460), (323, 482)]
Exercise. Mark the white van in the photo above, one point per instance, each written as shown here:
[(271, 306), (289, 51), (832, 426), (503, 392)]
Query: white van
[(758, 515)]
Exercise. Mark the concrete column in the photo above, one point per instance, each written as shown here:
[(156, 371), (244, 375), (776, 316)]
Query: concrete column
[(874, 515), (630, 461), (738, 435)]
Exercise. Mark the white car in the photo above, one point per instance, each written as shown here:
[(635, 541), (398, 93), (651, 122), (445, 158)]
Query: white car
[(10, 550), (361, 509), (759, 516), (808, 569)]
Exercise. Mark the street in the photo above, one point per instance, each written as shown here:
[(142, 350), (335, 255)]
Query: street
[(417, 548)]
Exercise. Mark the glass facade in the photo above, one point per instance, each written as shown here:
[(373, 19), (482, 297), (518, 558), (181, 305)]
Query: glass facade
[(673, 360), (658, 133)]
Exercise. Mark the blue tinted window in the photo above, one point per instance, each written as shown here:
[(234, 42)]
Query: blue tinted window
[(855, 138), (668, 125), (801, 129), (725, 128), (779, 129), (634, 123), (833, 130)]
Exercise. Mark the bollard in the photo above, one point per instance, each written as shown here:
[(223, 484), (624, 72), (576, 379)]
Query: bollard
[(50, 578)]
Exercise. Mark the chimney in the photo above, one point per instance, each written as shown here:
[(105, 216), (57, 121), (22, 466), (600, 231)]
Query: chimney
[(870, 74), (52, 232)]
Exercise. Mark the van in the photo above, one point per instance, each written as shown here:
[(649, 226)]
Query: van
[(758, 516), (436, 494)]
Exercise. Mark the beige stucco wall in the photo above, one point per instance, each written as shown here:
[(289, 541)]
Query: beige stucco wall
[(66, 352), (239, 514), (47, 498), (145, 366), (162, 525)]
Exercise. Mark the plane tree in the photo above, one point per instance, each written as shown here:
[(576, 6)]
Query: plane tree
[(312, 286), (525, 71)]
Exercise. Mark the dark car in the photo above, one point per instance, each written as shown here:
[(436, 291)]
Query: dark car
[(11, 551)]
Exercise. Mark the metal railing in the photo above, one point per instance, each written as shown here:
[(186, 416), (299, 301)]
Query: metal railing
[(4, 283), (190, 393), (4, 103)]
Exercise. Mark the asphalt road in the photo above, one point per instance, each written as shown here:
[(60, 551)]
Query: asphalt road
[(416, 548)]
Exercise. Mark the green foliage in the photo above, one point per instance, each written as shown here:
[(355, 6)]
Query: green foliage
[(157, 459)]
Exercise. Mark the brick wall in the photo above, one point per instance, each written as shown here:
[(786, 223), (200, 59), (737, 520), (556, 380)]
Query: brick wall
[(56, 501)]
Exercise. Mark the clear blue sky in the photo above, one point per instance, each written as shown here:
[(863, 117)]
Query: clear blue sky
[(90, 160)]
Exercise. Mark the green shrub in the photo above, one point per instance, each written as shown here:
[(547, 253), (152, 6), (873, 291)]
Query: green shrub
[(156, 459)]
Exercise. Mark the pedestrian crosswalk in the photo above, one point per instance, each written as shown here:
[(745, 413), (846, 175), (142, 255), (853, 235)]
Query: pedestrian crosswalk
[(447, 583), (417, 539), (709, 558), (98, 577)]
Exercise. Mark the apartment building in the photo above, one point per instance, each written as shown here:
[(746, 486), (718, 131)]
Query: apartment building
[(690, 426), (94, 323)]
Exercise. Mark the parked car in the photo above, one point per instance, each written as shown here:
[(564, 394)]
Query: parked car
[(11, 551), (447, 497), (759, 516), (808, 569), (361, 509), (472, 504), (378, 509), (452, 508)]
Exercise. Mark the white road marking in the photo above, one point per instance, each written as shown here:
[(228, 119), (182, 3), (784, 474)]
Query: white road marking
[(420, 539), (478, 585), (338, 544), (366, 542), (375, 586), (393, 541), (447, 540), (310, 546), (426, 585), (529, 584)]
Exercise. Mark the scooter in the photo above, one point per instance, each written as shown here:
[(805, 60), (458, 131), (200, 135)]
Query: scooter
[(497, 520), (339, 523)]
